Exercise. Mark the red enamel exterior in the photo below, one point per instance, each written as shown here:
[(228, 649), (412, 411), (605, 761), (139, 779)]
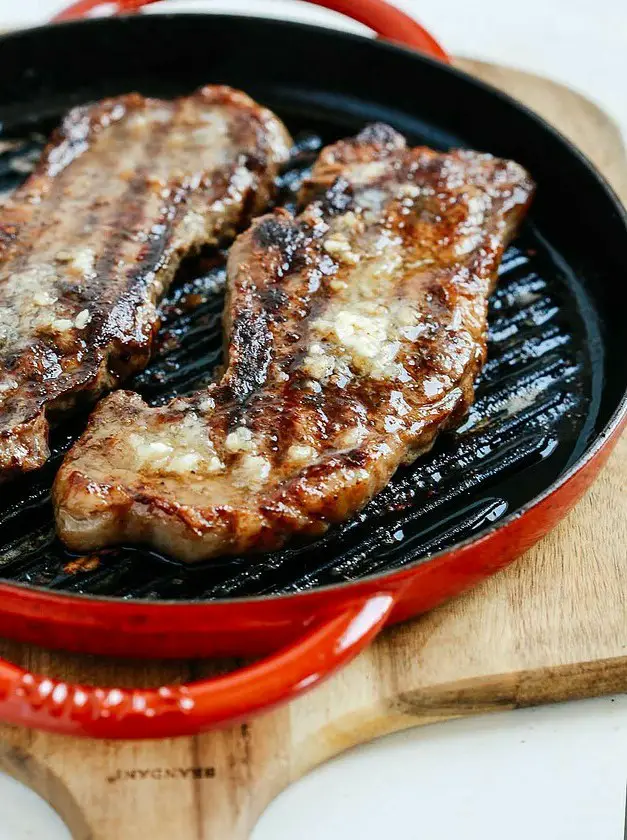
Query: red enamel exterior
[(314, 633)]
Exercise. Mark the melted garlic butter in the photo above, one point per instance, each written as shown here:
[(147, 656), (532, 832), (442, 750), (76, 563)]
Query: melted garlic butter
[(181, 447), (363, 328), (251, 471), (301, 453), (363, 337), (32, 303)]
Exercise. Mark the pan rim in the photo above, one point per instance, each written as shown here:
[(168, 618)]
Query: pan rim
[(602, 439)]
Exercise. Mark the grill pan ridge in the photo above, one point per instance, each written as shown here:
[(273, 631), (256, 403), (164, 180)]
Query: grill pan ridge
[(533, 414)]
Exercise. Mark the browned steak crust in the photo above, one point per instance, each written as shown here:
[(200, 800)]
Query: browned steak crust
[(355, 333), (125, 189)]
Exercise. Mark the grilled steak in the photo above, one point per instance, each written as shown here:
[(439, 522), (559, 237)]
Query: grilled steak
[(355, 332), (125, 189)]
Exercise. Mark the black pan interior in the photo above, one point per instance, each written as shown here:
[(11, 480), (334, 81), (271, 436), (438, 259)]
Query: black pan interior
[(551, 383)]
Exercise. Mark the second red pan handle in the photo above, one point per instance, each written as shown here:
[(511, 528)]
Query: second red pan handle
[(386, 20), (169, 711)]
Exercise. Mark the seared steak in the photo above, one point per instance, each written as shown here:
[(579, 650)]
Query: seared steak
[(125, 189), (355, 332)]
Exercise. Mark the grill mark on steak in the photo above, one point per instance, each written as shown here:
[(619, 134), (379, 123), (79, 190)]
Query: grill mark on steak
[(125, 216), (125, 189), (251, 336), (354, 334), (122, 219)]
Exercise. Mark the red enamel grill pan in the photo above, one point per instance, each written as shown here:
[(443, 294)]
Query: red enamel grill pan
[(550, 404)]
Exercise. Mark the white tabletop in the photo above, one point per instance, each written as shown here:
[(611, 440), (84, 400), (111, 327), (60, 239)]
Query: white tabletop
[(554, 773)]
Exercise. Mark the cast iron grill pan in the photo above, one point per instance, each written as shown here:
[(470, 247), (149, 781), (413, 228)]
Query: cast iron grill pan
[(534, 414)]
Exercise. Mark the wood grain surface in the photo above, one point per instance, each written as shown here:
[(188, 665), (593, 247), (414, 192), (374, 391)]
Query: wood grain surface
[(552, 626)]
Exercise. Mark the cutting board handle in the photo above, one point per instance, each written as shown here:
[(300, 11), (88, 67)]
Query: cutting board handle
[(386, 20), (169, 711)]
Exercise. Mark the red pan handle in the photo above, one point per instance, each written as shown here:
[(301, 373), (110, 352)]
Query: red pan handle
[(46, 703), (386, 20)]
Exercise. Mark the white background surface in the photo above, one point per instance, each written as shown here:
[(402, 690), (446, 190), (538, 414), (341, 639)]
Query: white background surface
[(554, 773)]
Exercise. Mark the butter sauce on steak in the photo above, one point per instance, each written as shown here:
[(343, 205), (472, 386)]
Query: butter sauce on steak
[(354, 335), (89, 243)]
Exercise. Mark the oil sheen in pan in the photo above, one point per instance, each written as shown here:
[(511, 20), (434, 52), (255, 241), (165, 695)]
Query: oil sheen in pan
[(534, 408)]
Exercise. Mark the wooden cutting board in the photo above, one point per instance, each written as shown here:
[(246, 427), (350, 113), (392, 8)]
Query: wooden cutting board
[(551, 627)]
